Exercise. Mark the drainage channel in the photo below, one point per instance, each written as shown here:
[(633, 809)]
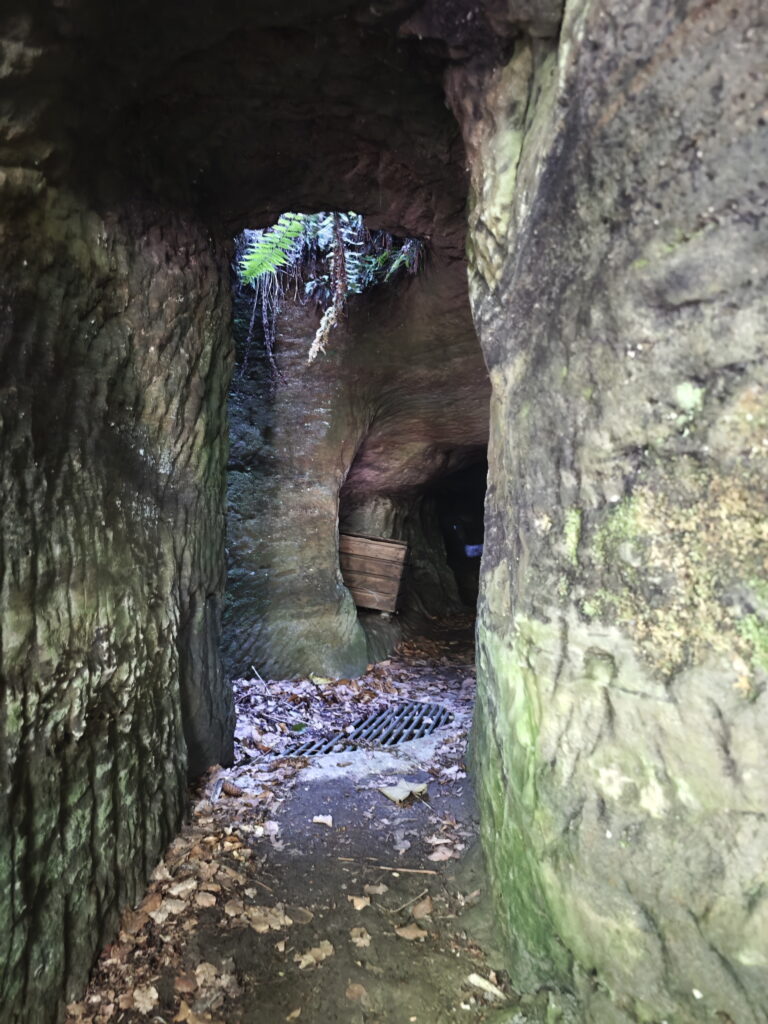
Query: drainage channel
[(398, 724)]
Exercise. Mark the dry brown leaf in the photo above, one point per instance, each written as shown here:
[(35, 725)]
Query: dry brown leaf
[(234, 908), (185, 983), (125, 1001), (133, 921), (145, 998), (206, 973), (151, 902), (205, 899), (230, 789), (441, 853), (183, 888), (422, 909), (360, 937), (411, 932), (357, 993), (262, 919), (316, 955), (323, 819), (280, 946), (360, 902), (299, 915), (376, 890)]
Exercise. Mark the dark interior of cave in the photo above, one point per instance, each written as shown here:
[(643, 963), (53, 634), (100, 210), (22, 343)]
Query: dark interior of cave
[(460, 502)]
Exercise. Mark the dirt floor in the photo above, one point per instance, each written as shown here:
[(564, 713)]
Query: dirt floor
[(299, 891)]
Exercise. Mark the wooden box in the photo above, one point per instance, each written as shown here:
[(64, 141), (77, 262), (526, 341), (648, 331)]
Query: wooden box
[(372, 570)]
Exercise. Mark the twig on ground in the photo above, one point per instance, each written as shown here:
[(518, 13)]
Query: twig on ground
[(414, 900)]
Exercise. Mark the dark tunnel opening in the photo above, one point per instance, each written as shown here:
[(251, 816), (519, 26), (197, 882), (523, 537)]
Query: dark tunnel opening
[(460, 505)]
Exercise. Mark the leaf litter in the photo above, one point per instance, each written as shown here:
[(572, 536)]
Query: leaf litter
[(212, 872)]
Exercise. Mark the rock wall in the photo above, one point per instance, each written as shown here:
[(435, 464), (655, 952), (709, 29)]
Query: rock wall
[(399, 398), (618, 281), (115, 355)]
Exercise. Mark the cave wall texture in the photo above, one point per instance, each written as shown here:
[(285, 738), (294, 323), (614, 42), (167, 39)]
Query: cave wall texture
[(400, 397), (617, 248), (618, 282)]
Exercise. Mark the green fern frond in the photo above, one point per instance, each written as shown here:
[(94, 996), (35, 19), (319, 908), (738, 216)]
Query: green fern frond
[(273, 249)]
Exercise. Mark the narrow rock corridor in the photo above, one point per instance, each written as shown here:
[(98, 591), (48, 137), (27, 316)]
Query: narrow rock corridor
[(531, 276), (300, 891)]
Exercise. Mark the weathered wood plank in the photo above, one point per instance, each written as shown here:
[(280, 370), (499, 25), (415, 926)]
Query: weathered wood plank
[(372, 566), (372, 569)]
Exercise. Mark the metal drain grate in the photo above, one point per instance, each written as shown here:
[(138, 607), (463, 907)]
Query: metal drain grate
[(393, 725)]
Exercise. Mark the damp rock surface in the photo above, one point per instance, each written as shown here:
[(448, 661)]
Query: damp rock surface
[(617, 217), (348, 443)]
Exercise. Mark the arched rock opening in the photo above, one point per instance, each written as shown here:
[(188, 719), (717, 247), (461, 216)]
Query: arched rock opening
[(346, 444), (617, 281)]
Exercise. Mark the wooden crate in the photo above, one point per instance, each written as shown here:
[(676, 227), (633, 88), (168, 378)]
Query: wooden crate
[(372, 570)]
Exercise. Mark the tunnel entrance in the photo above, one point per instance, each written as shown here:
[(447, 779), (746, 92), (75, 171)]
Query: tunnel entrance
[(459, 500), (358, 407)]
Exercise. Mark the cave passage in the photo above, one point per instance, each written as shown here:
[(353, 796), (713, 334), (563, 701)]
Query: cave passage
[(582, 189), (460, 504)]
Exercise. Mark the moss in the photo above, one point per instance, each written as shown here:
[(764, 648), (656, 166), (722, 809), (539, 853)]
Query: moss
[(506, 730), (572, 534), (755, 632), (693, 538), (689, 397)]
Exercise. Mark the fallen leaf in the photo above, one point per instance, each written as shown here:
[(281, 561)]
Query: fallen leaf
[(185, 983), (315, 955), (360, 937), (411, 932), (262, 919), (358, 994), (205, 899), (422, 909), (125, 1001), (133, 921), (360, 902), (441, 853), (145, 998), (323, 819), (234, 908), (280, 946), (151, 902), (487, 986), (230, 789), (183, 888), (294, 1014), (299, 915), (403, 790), (206, 973), (376, 890)]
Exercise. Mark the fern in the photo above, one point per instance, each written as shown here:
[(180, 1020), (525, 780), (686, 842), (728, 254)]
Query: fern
[(333, 255), (273, 249)]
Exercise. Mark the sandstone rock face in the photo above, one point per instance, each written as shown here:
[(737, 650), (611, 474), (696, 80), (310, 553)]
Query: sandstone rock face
[(618, 279), (617, 251), (400, 397), (115, 350)]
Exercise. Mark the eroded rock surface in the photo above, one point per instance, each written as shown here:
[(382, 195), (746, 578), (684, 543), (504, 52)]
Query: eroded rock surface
[(115, 352), (617, 255), (618, 283), (349, 442)]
